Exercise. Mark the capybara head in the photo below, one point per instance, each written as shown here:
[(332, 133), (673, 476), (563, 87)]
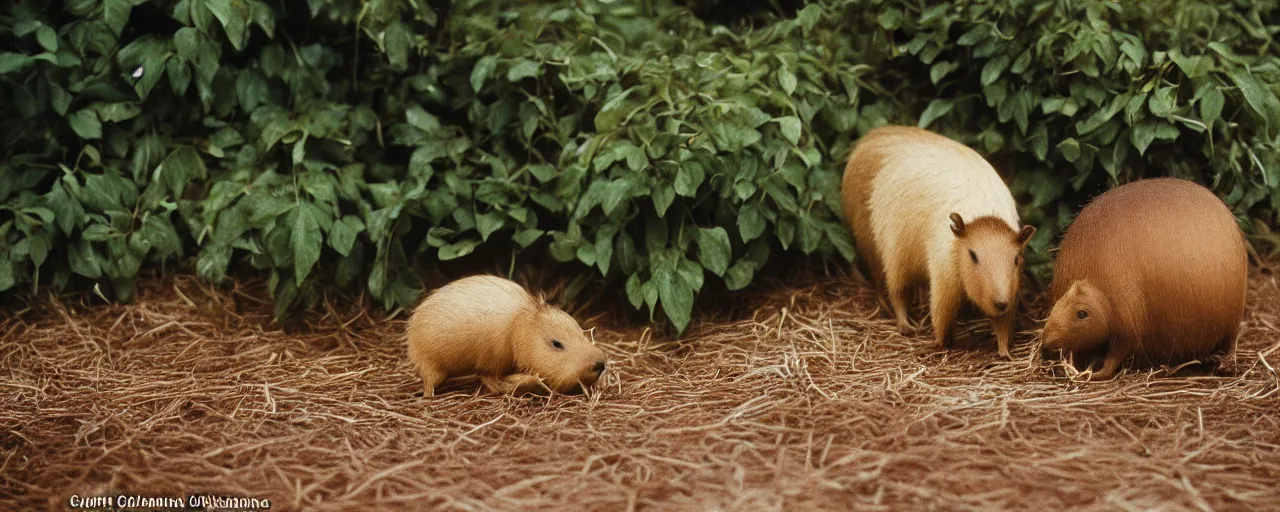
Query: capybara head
[(988, 254), (1079, 321), (550, 344)]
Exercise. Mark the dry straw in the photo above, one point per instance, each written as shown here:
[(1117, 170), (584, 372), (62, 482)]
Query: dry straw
[(807, 400)]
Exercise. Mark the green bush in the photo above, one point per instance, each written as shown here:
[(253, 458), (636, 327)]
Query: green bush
[(336, 142)]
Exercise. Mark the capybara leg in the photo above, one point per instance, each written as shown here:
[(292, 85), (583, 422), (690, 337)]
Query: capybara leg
[(1223, 357), (523, 383), (516, 384), (1003, 326), (1110, 365), (898, 298), (857, 275), (431, 379), (493, 384), (944, 304)]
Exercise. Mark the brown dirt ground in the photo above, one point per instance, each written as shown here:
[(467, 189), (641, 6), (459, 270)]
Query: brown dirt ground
[(807, 401)]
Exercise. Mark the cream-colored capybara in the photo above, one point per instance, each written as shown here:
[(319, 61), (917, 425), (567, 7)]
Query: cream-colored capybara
[(489, 326), (1155, 270), (923, 207)]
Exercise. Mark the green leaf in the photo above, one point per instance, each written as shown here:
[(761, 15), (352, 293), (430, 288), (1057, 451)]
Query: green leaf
[(1095, 121), (691, 273), (787, 80), (676, 297), (59, 99), (1162, 102), (841, 239), (689, 178), (1070, 149), (1193, 67), (1145, 133), (187, 42), (809, 17), (1260, 98), (84, 260), (587, 255), (523, 68), (7, 279), (482, 70), (619, 190), (1211, 106), (714, 250), (936, 109), (635, 294), (613, 112), (421, 120), (732, 135), (941, 69), (740, 274), (234, 17), (116, 112), (179, 168), (527, 237), (397, 41), (457, 249), (544, 172), (305, 240), (994, 68), (604, 248), (116, 14), (890, 18), (47, 38), (790, 128), (85, 123), (1022, 63), (662, 199), (10, 62), (147, 55), (487, 223), (163, 237), (751, 222), (342, 236)]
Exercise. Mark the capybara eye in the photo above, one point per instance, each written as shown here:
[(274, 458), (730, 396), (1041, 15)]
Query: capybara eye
[(557, 344), (973, 256), (1082, 314)]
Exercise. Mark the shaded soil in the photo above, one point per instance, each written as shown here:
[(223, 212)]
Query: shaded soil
[(809, 400)]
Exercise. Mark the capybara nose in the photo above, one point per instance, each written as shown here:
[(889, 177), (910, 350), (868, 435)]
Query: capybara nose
[(599, 367), (1001, 305)]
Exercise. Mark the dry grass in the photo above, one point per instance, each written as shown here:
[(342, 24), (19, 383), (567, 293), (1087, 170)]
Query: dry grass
[(804, 405)]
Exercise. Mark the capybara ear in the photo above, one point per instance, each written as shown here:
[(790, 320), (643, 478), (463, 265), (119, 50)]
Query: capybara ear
[(957, 224), (1026, 233)]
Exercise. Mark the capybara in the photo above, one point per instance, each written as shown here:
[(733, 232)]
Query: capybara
[(1155, 270), (491, 327), (923, 207)]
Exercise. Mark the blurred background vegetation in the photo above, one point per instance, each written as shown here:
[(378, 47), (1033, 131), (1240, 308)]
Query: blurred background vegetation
[(662, 147)]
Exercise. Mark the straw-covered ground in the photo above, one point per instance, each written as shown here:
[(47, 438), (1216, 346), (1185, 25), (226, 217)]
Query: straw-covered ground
[(802, 399)]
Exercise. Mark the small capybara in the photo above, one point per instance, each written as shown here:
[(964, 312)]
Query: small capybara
[(491, 327), (923, 207), (1155, 270)]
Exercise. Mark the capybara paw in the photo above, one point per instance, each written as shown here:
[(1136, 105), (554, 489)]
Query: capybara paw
[(1005, 353), (524, 384)]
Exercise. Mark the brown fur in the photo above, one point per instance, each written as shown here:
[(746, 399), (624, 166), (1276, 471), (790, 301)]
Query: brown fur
[(946, 201), (492, 327), (1160, 269)]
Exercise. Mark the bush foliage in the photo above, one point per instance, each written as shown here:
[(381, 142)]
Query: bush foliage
[(339, 142)]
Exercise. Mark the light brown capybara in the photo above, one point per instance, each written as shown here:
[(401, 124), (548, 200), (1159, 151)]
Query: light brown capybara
[(489, 326), (1155, 270), (923, 207)]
